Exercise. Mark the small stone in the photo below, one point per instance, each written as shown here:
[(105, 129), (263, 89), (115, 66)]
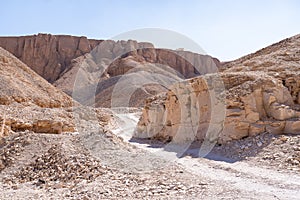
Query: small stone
[(2, 166), (259, 144)]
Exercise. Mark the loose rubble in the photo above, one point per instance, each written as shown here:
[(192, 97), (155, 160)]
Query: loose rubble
[(57, 170), (10, 147)]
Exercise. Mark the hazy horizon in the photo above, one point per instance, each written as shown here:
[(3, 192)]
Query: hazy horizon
[(226, 30)]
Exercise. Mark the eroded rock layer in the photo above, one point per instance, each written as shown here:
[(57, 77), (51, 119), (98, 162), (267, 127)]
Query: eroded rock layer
[(30, 103), (92, 78), (48, 55), (280, 60), (261, 93), (253, 103), (98, 64)]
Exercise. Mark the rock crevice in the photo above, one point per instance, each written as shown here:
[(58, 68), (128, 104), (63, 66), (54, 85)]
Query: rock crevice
[(253, 103)]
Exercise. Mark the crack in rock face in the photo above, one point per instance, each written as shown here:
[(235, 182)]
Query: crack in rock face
[(255, 102)]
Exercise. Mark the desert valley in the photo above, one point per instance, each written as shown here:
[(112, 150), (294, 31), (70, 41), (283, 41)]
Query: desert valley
[(113, 119)]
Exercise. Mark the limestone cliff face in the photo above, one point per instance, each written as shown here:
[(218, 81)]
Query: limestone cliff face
[(139, 63), (280, 60), (57, 58), (51, 55), (250, 103), (48, 55)]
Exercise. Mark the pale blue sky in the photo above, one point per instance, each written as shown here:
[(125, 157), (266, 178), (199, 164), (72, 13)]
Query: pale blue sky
[(226, 29)]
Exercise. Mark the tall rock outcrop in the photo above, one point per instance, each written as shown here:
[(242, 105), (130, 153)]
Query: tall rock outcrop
[(48, 55), (253, 103), (261, 93)]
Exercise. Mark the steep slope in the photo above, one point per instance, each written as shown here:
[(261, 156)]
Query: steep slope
[(283, 56), (57, 58), (30, 103), (280, 60), (20, 84), (133, 66), (48, 55)]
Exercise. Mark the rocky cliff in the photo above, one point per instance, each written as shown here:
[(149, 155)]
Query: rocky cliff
[(266, 99), (280, 60), (136, 66), (57, 58), (30, 103), (48, 55), (253, 103)]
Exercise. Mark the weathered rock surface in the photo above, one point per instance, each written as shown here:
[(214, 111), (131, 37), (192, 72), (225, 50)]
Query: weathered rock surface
[(57, 58), (254, 103), (29, 102), (280, 60), (22, 85), (133, 65), (265, 100), (48, 55)]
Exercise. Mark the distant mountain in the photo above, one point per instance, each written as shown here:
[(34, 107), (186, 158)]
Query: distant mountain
[(48, 55), (57, 58)]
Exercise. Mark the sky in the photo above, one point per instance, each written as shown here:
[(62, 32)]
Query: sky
[(226, 29)]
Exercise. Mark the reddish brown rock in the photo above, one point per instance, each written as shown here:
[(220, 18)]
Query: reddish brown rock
[(48, 55), (140, 63), (22, 85)]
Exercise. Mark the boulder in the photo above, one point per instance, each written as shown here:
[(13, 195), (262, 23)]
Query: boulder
[(48, 126), (292, 127)]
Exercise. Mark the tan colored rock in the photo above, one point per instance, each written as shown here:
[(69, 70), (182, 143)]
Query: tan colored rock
[(48, 126), (292, 127), (186, 112), (256, 129), (22, 85), (275, 127), (281, 111), (280, 60), (21, 126), (5, 130), (68, 128)]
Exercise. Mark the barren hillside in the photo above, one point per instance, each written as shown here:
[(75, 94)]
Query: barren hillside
[(245, 124), (57, 58)]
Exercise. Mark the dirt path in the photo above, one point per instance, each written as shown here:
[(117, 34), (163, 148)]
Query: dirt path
[(258, 181)]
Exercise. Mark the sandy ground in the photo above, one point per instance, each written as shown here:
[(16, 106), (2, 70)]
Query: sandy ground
[(100, 165)]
